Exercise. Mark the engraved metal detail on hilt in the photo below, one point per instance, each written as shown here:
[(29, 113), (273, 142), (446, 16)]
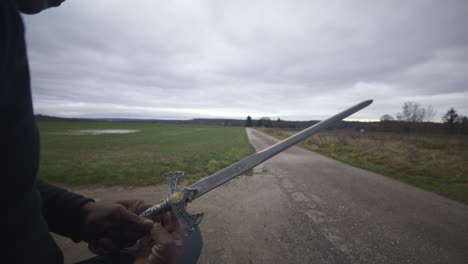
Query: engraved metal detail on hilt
[(178, 201)]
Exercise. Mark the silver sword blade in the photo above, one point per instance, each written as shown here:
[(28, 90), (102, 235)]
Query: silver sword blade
[(211, 182)]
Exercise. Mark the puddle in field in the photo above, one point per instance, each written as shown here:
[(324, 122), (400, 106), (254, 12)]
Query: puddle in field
[(96, 131)]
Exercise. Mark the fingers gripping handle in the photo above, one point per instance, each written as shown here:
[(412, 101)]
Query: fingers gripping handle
[(154, 213), (175, 201)]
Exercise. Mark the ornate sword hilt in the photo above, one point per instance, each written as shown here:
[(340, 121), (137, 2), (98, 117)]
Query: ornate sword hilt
[(176, 201)]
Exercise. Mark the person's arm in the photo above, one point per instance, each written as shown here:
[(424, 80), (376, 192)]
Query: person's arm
[(62, 210), (113, 225)]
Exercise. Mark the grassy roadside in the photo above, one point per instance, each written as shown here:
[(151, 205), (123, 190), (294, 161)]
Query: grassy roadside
[(438, 163), (138, 158)]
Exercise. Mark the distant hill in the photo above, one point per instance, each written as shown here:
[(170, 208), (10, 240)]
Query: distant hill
[(198, 121), (387, 126)]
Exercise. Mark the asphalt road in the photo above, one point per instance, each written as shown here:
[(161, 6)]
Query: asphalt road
[(301, 207)]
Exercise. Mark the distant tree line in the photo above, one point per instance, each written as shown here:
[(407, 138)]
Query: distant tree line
[(413, 118), (262, 122), (267, 122), (298, 125), (416, 118), (455, 123)]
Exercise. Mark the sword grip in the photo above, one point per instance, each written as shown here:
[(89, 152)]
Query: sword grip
[(154, 213)]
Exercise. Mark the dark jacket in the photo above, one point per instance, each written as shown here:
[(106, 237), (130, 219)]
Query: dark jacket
[(31, 208)]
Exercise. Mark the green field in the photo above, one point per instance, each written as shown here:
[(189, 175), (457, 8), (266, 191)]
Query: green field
[(438, 163), (139, 158)]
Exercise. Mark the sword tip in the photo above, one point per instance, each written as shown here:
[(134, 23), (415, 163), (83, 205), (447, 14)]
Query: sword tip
[(366, 103)]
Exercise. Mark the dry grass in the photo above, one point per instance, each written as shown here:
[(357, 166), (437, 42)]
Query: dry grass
[(438, 163)]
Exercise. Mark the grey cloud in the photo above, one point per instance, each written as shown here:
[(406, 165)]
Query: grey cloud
[(278, 58)]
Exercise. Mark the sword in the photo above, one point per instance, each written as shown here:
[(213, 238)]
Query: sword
[(177, 199)]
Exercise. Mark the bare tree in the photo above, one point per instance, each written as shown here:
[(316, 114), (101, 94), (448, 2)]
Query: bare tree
[(430, 113), (386, 118), (267, 122), (264, 122), (259, 123), (412, 112)]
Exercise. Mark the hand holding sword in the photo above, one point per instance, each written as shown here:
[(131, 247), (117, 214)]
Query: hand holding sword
[(177, 199)]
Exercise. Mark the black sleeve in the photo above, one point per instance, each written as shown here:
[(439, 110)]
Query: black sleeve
[(61, 209)]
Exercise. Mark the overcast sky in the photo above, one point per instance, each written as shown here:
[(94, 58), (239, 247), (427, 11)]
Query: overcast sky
[(296, 60)]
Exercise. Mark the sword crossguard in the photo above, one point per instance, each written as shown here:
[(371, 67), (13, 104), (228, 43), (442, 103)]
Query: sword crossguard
[(178, 200)]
